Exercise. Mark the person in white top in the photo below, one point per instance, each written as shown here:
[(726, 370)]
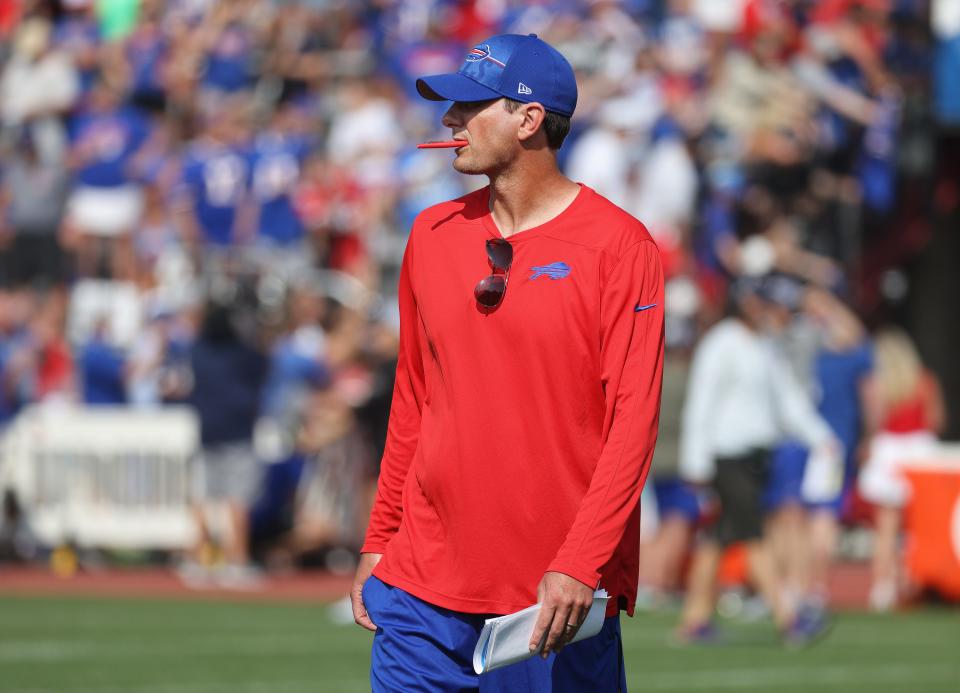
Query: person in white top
[(742, 400)]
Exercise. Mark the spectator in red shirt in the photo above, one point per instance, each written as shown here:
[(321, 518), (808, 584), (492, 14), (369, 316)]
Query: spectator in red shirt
[(905, 410)]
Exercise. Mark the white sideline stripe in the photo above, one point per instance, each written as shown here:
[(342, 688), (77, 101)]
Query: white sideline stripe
[(785, 676)]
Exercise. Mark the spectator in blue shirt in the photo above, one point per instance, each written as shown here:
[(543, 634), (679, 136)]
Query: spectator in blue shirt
[(78, 34), (102, 370), (277, 162), (106, 203), (215, 179), (229, 45), (146, 52)]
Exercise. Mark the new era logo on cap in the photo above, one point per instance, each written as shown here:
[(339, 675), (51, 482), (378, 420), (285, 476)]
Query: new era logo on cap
[(522, 68)]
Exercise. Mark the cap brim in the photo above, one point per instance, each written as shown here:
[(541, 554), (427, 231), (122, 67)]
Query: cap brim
[(454, 87)]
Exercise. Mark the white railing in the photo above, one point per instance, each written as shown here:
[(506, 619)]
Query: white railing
[(109, 477)]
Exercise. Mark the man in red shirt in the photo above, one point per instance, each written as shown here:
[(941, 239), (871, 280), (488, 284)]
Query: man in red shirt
[(526, 403)]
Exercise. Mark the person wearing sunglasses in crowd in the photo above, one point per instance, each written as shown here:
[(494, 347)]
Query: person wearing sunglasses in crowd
[(526, 403)]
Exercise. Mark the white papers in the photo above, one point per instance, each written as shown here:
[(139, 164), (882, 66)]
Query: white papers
[(823, 475), (506, 639)]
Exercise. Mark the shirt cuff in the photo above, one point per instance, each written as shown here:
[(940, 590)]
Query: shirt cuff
[(374, 547), (590, 578)]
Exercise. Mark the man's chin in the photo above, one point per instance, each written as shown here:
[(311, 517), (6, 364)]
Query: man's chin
[(461, 166)]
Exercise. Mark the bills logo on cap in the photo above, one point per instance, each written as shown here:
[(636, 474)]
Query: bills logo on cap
[(524, 68), (482, 52)]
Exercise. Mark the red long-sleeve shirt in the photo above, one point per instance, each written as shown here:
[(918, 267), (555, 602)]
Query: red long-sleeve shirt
[(519, 440)]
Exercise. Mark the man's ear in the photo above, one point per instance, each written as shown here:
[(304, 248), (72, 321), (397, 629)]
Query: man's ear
[(532, 123)]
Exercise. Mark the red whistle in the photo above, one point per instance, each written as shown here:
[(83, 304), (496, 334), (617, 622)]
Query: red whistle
[(442, 145)]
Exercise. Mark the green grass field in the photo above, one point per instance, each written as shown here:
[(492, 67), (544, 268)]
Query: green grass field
[(138, 646)]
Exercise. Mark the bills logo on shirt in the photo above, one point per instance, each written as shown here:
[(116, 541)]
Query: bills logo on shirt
[(555, 270), (482, 52)]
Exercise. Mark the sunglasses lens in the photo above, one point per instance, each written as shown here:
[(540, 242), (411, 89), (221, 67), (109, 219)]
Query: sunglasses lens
[(489, 291), (500, 253)]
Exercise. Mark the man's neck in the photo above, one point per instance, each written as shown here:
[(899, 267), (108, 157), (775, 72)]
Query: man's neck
[(527, 196)]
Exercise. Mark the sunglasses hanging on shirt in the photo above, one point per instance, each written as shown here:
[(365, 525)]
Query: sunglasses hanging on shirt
[(490, 291)]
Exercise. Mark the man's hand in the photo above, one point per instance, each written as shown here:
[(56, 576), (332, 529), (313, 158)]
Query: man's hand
[(367, 563), (564, 603)]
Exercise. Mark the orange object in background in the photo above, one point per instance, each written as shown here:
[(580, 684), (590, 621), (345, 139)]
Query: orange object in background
[(932, 523), (733, 566)]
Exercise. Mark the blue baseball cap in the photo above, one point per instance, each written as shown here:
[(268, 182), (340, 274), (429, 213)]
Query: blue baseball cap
[(522, 68)]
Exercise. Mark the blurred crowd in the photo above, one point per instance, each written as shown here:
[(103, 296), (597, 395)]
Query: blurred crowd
[(207, 202)]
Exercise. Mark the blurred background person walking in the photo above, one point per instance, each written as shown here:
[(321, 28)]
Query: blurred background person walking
[(741, 401), (842, 363)]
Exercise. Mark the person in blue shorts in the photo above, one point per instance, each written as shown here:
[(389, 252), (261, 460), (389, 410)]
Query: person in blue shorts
[(806, 532), (841, 368), (742, 402), (677, 509), (499, 488)]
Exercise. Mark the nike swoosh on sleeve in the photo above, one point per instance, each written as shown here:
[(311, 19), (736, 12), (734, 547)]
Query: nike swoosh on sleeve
[(646, 307)]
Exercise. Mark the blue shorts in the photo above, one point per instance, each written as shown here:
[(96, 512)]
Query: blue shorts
[(675, 497), (787, 464), (428, 649)]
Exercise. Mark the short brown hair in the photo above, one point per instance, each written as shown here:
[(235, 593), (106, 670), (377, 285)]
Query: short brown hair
[(556, 126)]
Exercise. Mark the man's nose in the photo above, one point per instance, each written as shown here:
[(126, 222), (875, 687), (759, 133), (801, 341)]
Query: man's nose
[(451, 118)]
